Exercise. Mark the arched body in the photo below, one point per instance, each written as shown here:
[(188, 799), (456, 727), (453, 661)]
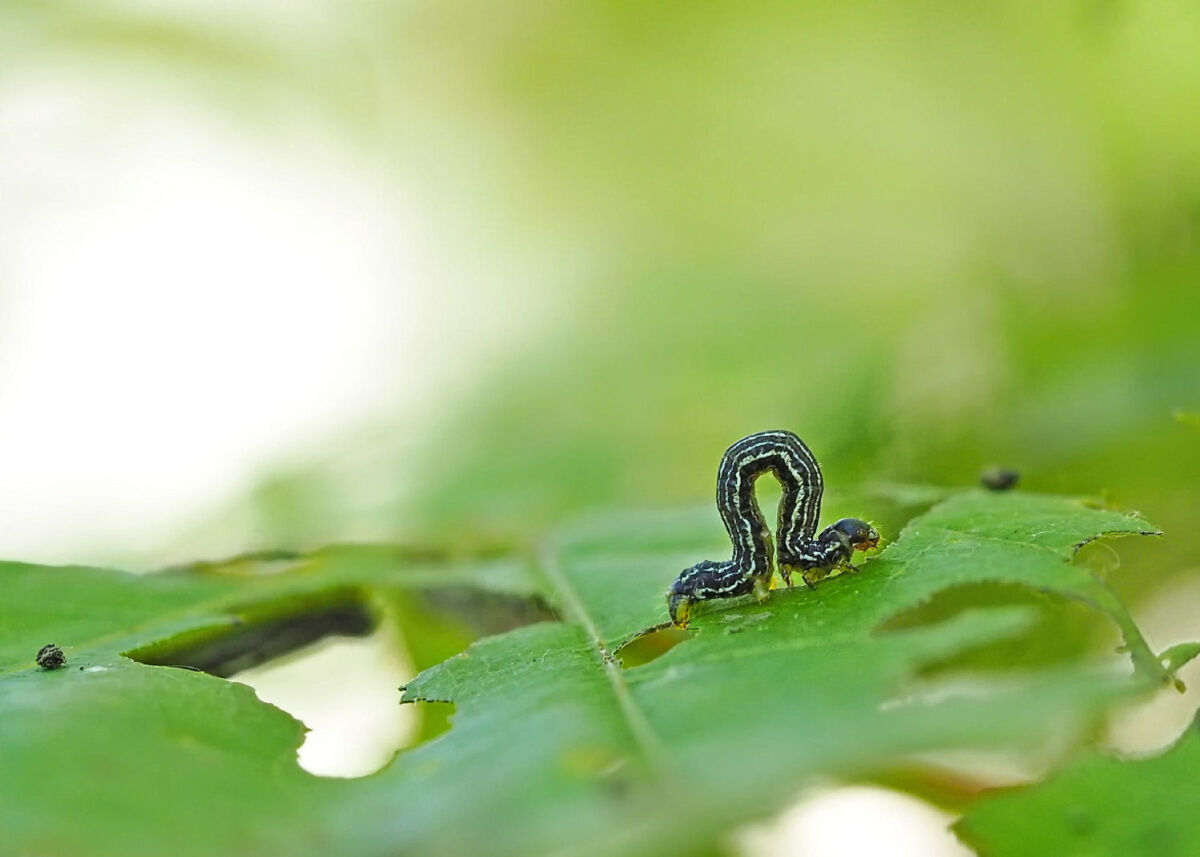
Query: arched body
[(751, 567)]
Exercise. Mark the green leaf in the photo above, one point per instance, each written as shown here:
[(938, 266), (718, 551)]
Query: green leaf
[(555, 745), (1190, 418), (1096, 807)]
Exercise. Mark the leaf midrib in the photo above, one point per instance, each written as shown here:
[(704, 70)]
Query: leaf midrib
[(649, 743)]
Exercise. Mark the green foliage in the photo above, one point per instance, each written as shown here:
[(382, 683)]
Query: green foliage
[(555, 745), (1097, 807), (928, 236)]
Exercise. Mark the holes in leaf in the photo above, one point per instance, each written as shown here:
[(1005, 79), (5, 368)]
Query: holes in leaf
[(830, 822), (262, 633), (344, 689), (433, 718), (324, 658), (335, 661), (1148, 726), (651, 645)]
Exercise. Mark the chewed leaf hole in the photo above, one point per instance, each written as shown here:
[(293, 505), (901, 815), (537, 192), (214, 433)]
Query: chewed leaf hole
[(433, 718), (336, 660), (651, 645), (261, 634), (324, 660), (829, 821), (344, 689)]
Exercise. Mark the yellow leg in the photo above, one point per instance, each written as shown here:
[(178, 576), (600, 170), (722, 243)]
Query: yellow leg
[(680, 607), (813, 576)]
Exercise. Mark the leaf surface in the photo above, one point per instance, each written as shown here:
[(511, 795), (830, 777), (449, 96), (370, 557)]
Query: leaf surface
[(1097, 807), (556, 747)]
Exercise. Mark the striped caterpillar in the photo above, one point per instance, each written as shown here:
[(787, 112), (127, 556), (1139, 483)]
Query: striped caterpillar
[(751, 567)]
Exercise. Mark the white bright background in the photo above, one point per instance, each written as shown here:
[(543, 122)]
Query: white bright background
[(183, 304)]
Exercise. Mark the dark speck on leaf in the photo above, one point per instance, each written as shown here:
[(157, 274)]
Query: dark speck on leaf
[(1079, 819), (50, 657), (999, 478)]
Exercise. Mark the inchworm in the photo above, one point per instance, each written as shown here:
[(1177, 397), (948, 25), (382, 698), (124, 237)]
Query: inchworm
[(752, 565)]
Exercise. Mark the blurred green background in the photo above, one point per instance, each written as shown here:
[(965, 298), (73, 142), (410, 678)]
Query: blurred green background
[(928, 237)]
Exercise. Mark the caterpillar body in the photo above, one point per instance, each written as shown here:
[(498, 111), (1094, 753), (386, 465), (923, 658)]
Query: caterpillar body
[(750, 569)]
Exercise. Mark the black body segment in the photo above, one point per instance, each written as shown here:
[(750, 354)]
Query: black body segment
[(793, 464)]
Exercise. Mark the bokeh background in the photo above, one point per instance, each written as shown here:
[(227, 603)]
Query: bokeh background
[(276, 274)]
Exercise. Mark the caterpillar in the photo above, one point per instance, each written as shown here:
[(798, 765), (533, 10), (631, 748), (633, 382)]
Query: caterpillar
[(750, 569)]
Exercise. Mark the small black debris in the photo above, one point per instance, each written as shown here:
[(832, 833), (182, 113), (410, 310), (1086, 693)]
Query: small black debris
[(999, 478), (50, 657)]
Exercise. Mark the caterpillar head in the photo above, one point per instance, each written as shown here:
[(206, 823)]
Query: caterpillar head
[(857, 534)]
